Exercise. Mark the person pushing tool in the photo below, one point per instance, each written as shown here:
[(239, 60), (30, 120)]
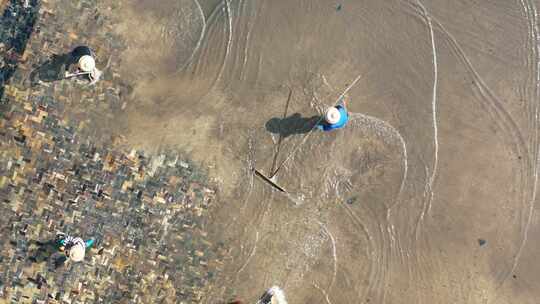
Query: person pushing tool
[(335, 117), (273, 295), (86, 64), (73, 247)]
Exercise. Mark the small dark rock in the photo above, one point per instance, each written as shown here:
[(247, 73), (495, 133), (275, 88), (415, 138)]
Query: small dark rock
[(21, 139), (481, 242)]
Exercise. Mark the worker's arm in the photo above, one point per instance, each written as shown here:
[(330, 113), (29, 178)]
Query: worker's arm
[(344, 102), (95, 76)]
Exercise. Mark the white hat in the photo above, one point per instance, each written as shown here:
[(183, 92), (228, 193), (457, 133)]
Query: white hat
[(332, 115), (76, 253), (87, 63), (278, 296)]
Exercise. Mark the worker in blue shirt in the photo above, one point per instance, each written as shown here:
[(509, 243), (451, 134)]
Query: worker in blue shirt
[(73, 247), (335, 117)]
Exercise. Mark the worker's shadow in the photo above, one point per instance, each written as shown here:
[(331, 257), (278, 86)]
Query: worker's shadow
[(290, 125), (47, 252), (53, 69)]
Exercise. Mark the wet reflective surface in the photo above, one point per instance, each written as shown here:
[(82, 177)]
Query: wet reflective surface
[(427, 196)]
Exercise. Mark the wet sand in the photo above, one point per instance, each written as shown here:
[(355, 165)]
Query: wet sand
[(427, 196)]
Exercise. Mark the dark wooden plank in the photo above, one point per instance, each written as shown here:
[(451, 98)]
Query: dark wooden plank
[(266, 179)]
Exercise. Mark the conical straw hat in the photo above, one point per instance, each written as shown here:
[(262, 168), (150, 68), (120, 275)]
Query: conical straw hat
[(332, 116), (76, 253), (87, 63)]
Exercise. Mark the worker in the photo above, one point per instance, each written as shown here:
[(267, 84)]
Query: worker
[(335, 117), (273, 295), (83, 57), (73, 247)]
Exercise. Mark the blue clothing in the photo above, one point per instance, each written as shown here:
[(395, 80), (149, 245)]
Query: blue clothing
[(344, 117), (89, 243)]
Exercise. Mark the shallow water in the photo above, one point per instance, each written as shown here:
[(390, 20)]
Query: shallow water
[(441, 151)]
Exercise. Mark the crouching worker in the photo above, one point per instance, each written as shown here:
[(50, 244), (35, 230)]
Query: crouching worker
[(73, 247), (83, 57), (335, 117), (273, 295)]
